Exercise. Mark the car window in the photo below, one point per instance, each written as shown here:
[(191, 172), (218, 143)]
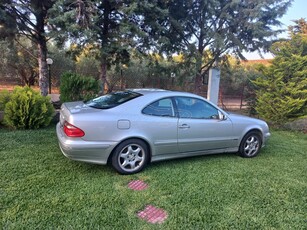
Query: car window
[(113, 99), (189, 107), (163, 108)]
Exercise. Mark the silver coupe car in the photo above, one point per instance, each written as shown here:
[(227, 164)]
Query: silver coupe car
[(131, 128)]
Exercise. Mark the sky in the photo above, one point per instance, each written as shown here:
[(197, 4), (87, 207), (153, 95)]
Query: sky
[(297, 10)]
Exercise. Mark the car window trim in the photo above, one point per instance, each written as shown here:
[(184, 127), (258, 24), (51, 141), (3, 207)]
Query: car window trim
[(173, 105), (195, 118)]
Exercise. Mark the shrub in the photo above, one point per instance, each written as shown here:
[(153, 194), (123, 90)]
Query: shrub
[(76, 87), (297, 125), (4, 98), (27, 109), (282, 92)]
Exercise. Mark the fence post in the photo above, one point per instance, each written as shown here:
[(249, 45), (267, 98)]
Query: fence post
[(213, 85)]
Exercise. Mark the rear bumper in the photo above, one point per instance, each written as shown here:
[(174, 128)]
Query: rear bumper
[(86, 151)]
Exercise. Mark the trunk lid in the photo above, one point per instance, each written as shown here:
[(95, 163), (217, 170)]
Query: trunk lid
[(73, 108)]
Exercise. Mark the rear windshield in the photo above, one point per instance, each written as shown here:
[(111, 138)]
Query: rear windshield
[(111, 100)]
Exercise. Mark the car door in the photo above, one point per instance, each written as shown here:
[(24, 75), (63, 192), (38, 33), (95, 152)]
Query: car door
[(200, 128), (161, 122)]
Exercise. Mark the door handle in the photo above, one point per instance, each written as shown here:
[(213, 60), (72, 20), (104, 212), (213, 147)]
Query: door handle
[(184, 126)]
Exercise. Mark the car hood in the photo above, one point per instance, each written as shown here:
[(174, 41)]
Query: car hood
[(242, 119)]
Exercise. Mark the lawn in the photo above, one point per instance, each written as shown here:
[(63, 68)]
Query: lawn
[(41, 189)]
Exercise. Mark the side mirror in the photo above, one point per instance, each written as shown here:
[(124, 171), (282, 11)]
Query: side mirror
[(221, 115)]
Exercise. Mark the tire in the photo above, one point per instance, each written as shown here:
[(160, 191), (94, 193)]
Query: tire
[(250, 145), (130, 156)]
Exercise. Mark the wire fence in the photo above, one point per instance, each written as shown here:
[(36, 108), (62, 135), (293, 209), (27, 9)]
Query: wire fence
[(234, 102)]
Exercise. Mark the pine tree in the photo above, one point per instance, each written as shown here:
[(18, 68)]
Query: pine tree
[(29, 18), (105, 26), (208, 29), (282, 94)]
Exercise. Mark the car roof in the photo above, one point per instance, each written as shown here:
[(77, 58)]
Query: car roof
[(160, 92), (149, 95), (148, 90)]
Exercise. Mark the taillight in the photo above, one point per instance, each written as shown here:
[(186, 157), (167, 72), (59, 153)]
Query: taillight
[(72, 131)]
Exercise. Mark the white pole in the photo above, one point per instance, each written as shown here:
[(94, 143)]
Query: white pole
[(214, 85)]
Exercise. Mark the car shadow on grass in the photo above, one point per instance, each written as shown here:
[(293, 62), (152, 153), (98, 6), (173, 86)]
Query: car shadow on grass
[(88, 168), (225, 158), (194, 160)]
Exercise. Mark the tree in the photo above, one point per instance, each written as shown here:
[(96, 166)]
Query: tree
[(237, 80), (62, 63), (7, 24), (101, 25), (207, 29), (300, 27), (282, 93), (29, 18), (16, 60)]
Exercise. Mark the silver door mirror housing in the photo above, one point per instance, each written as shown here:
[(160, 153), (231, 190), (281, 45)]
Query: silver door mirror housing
[(222, 115)]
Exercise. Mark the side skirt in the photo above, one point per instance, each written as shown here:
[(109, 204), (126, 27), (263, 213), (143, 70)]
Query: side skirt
[(163, 157)]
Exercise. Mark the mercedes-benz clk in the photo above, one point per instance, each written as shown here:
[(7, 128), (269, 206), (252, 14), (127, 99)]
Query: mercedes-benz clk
[(129, 129)]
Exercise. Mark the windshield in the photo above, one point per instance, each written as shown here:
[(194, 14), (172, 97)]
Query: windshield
[(113, 99)]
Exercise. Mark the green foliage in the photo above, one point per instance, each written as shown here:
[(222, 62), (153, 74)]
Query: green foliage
[(105, 25), (29, 18), (87, 66), (27, 109), (236, 80), (17, 60), (5, 97), (62, 62), (208, 29), (76, 87), (282, 93), (279, 101)]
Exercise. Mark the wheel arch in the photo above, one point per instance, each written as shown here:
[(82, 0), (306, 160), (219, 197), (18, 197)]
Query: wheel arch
[(257, 130), (249, 148), (130, 138)]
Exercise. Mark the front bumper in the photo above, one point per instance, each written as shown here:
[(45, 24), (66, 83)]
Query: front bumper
[(86, 151), (266, 136)]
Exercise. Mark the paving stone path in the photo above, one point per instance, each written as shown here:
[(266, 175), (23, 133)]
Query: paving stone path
[(150, 213)]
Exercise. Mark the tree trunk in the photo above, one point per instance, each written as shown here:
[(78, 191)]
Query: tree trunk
[(23, 76), (42, 66), (103, 77), (31, 79), (41, 8), (198, 76)]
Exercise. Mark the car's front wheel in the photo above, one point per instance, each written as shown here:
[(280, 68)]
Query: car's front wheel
[(130, 156), (250, 145)]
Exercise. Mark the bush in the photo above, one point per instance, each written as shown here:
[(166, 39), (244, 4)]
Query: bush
[(4, 98), (27, 109), (76, 87), (297, 125)]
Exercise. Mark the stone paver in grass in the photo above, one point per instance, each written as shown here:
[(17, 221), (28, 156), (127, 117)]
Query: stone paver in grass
[(137, 185), (153, 215)]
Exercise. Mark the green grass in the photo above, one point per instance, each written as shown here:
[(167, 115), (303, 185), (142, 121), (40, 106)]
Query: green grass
[(41, 189)]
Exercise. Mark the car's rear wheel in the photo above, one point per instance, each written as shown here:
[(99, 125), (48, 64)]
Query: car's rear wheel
[(130, 156), (250, 145)]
